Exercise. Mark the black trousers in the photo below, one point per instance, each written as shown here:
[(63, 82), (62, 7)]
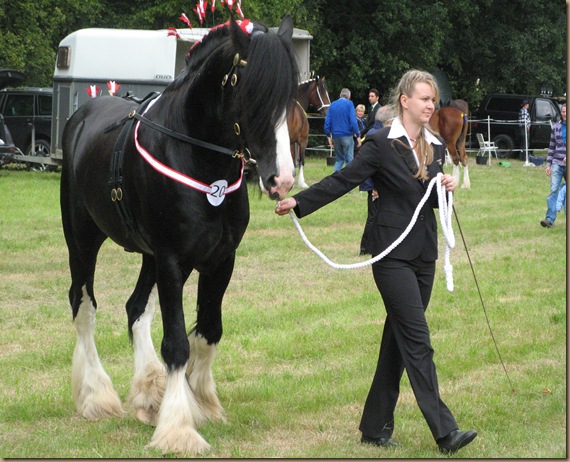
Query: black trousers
[(406, 288)]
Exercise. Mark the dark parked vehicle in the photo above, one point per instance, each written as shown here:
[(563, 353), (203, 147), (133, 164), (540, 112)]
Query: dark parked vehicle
[(503, 111), (7, 147), (27, 113)]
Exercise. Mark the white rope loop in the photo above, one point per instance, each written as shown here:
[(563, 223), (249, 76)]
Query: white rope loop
[(445, 208)]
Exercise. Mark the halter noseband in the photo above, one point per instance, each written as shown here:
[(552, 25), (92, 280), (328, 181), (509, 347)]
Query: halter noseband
[(323, 105)]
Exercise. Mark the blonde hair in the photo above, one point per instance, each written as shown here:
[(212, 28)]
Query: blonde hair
[(360, 107), (406, 86)]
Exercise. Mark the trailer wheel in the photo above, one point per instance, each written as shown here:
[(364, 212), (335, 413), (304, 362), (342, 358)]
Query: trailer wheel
[(42, 149)]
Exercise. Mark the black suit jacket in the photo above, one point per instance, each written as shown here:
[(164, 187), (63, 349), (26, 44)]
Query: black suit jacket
[(370, 119), (391, 167)]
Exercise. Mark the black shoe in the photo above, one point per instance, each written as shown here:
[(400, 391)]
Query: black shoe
[(546, 223), (455, 441), (383, 442)]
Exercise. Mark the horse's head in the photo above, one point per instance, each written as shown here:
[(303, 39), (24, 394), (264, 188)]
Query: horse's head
[(244, 77), (266, 88), (320, 96)]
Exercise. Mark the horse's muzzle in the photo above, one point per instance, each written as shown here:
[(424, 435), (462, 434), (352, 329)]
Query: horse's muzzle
[(281, 187)]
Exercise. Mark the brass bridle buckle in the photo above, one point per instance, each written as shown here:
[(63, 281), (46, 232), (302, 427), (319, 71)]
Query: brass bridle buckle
[(116, 194), (238, 62)]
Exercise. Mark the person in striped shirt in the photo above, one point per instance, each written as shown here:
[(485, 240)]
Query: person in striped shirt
[(524, 124), (555, 167)]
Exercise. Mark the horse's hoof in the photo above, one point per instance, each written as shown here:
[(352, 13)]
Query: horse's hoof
[(100, 404), (183, 441), (147, 417)]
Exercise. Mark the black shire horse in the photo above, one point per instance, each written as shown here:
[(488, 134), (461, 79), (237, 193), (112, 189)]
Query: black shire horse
[(165, 180)]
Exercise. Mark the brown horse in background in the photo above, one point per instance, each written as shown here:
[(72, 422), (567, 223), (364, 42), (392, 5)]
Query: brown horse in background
[(310, 93), (451, 123), (298, 125), (459, 104)]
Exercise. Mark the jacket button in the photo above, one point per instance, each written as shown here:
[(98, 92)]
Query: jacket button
[(421, 217)]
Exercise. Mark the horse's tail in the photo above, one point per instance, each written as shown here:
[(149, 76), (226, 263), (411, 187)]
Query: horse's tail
[(461, 140), (463, 135)]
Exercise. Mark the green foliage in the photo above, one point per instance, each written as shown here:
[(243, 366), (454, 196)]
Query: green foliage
[(484, 46)]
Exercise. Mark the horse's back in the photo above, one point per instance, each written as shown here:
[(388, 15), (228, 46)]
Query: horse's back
[(91, 124)]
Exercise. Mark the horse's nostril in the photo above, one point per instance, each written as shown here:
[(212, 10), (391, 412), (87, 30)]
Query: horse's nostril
[(271, 181)]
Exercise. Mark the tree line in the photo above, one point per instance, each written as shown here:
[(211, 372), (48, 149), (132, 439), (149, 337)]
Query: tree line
[(482, 46)]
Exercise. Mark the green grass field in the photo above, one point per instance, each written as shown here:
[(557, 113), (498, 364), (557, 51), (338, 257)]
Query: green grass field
[(301, 339)]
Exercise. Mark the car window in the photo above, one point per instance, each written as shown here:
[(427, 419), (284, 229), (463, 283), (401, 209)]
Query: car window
[(504, 104), (545, 110), (19, 105), (3, 137), (44, 103)]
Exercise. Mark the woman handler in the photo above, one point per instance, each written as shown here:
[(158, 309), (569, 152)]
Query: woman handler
[(400, 159)]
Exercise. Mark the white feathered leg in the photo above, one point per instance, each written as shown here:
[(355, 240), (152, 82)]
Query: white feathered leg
[(176, 429), (456, 173), (93, 391), (147, 387), (301, 178), (200, 376), (466, 181)]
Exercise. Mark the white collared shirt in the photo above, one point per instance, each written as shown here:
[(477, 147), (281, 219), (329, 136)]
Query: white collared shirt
[(397, 130)]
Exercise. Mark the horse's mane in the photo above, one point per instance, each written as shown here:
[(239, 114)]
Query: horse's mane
[(270, 65), (200, 51), (308, 81)]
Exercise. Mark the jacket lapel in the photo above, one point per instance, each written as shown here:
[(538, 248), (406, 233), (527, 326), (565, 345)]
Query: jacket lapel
[(406, 154), (410, 160)]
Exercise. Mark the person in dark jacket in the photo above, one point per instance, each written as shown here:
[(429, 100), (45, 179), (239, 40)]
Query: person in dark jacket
[(373, 97), (400, 159), (384, 115)]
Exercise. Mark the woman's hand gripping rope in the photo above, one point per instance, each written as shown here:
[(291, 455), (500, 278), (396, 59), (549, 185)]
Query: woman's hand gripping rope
[(445, 183)]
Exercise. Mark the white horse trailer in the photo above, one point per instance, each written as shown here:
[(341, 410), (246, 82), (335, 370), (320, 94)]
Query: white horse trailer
[(140, 61)]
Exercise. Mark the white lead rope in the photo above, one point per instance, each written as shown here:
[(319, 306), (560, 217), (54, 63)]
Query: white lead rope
[(445, 209)]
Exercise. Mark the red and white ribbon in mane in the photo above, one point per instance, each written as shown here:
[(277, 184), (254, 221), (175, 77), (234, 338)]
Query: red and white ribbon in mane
[(92, 91), (113, 87)]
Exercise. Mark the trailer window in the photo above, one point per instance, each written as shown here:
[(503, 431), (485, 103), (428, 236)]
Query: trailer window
[(63, 57)]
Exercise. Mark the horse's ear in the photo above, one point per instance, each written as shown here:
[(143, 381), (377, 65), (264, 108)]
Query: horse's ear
[(238, 36), (286, 28)]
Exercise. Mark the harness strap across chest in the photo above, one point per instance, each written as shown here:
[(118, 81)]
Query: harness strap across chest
[(214, 192), (118, 196)]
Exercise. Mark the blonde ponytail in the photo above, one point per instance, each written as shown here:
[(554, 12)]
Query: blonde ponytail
[(406, 86)]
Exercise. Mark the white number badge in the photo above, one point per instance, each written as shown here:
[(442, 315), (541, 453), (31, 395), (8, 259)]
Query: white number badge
[(218, 193)]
